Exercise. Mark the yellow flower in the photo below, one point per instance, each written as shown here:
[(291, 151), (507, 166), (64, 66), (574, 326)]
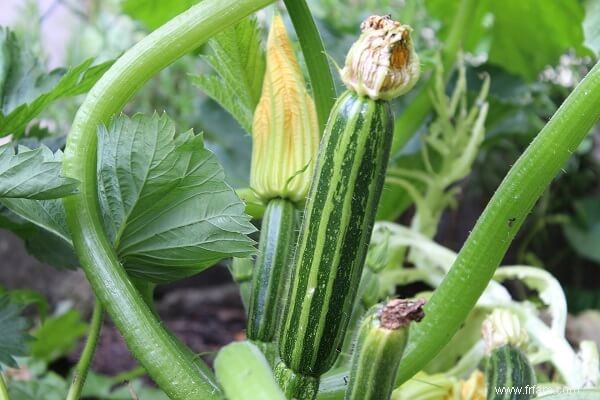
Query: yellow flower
[(473, 388), (382, 64), (285, 135)]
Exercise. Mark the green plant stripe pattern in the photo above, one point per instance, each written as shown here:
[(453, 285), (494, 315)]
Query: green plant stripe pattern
[(509, 368), (486, 245), (271, 270), (173, 369), (382, 336), (336, 230)]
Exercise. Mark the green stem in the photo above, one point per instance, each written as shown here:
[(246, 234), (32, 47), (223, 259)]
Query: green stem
[(174, 372), (321, 79), (81, 371), (488, 242), (3, 389)]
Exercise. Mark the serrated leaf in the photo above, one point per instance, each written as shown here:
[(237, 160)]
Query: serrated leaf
[(166, 204), (33, 174), (26, 88), (13, 340), (154, 13), (238, 60), (58, 336)]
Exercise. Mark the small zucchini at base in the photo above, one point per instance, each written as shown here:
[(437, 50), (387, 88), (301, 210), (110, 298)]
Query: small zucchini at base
[(381, 340), (508, 368)]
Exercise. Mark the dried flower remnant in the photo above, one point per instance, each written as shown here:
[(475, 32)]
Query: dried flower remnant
[(382, 64), (399, 313)]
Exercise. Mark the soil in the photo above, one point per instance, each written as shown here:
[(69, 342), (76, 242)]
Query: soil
[(205, 320)]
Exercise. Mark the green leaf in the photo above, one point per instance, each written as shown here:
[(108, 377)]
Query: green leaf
[(238, 60), (523, 37), (58, 336), (42, 225), (591, 26), (13, 340), (26, 88), (33, 174), (50, 386), (583, 233), (529, 35), (165, 202), (25, 297), (154, 13)]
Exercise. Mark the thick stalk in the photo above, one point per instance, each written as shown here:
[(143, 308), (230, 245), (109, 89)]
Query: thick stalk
[(321, 79), (486, 245), (149, 342), (83, 366)]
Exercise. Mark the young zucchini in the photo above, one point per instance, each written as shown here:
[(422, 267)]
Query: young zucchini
[(509, 375), (379, 347), (271, 270), (340, 209)]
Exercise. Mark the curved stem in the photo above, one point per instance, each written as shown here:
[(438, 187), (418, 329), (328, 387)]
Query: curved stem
[(488, 242), (321, 79), (3, 389), (81, 371), (173, 370)]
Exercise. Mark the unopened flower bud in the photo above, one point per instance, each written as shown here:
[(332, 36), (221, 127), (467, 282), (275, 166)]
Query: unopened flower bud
[(500, 328), (285, 132), (382, 64)]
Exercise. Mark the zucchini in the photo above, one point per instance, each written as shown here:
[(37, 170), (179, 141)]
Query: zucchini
[(381, 341), (271, 271), (340, 209), (509, 375), (335, 233)]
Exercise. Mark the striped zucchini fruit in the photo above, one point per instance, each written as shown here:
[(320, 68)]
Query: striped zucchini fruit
[(271, 270), (509, 375), (335, 233)]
